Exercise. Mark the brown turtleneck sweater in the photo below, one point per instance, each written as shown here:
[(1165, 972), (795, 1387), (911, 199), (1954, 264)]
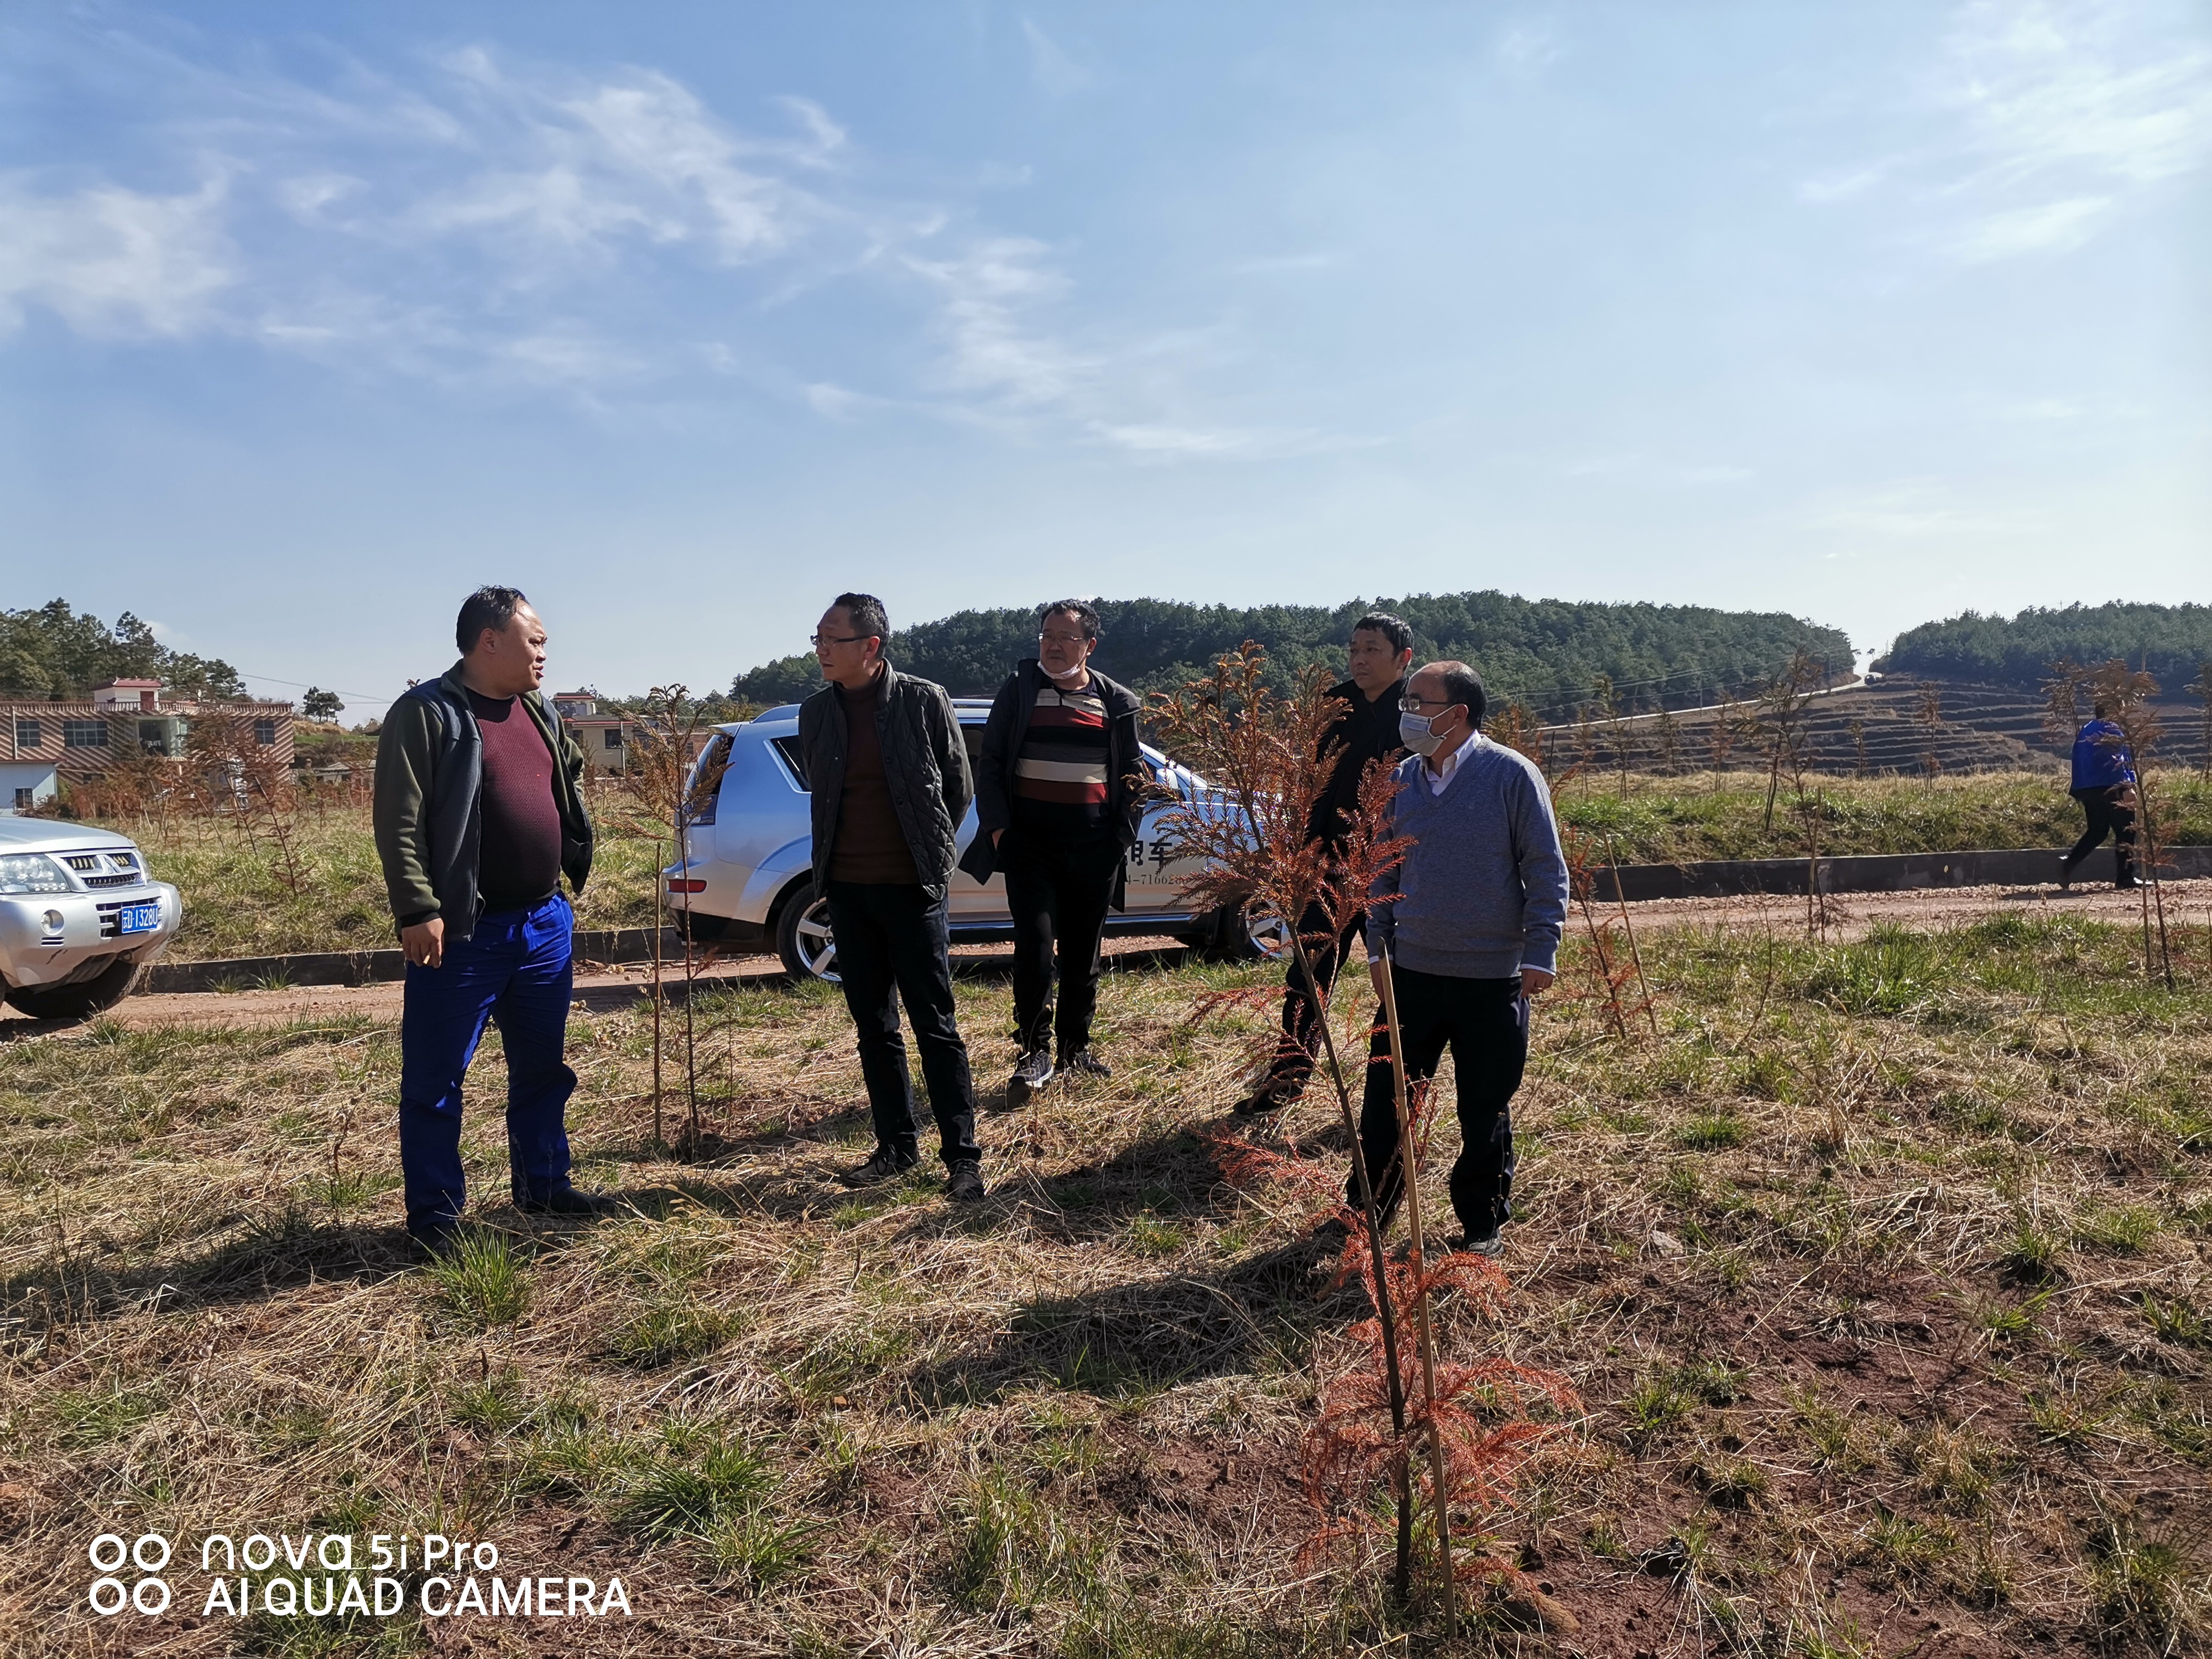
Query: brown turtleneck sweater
[(870, 847)]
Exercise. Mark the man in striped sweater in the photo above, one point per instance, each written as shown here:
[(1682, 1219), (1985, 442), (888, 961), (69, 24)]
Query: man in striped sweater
[(1057, 801)]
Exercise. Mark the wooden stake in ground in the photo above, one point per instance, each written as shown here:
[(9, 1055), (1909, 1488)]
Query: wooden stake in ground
[(1425, 1334), (1628, 931), (659, 921), (1270, 758), (1402, 1577)]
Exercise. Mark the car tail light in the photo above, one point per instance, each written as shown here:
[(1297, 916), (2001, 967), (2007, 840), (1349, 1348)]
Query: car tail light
[(687, 886)]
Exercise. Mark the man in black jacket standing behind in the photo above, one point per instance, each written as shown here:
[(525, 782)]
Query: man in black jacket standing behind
[(1381, 653), (889, 781), (1057, 799)]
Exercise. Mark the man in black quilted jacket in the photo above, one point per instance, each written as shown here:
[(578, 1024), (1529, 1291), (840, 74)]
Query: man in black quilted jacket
[(1381, 652), (890, 783)]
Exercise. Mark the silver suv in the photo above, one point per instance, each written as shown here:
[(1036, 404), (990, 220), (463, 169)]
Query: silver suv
[(748, 878), (79, 917)]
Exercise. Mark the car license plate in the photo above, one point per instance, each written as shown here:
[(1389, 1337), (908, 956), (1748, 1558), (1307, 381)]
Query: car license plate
[(138, 919)]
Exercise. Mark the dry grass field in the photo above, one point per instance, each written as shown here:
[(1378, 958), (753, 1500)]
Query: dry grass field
[(238, 905), (237, 902), (1884, 1270)]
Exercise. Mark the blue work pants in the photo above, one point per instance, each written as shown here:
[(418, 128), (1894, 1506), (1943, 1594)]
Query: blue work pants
[(516, 968)]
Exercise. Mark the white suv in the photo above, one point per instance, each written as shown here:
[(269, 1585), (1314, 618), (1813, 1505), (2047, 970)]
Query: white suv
[(748, 878), (79, 917)]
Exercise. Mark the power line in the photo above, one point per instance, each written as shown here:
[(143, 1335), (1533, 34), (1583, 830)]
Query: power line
[(303, 685)]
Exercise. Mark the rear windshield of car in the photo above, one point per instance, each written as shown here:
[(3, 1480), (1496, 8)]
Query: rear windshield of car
[(788, 748)]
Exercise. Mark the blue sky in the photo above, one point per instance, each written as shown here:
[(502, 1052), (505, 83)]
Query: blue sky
[(682, 316)]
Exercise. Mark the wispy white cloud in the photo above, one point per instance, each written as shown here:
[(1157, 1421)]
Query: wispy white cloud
[(1278, 264), (836, 403), (2052, 87), (1918, 510), (2069, 104), (1841, 185), (1054, 70), (488, 223), (2055, 117), (1647, 471), (2052, 228), (1524, 50), (113, 262), (587, 166), (992, 346), (995, 326)]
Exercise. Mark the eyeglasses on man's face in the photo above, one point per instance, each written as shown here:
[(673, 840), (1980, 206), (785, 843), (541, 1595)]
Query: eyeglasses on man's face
[(820, 640), (1051, 638), (1411, 704)]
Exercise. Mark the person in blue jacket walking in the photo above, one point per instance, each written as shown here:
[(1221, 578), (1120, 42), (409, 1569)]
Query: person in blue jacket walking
[(2104, 783)]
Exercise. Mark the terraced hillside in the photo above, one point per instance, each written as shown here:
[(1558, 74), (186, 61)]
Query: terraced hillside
[(1863, 729)]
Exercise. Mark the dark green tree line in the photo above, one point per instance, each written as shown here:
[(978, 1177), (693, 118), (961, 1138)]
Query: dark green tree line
[(2169, 640), (1547, 654), (57, 652)]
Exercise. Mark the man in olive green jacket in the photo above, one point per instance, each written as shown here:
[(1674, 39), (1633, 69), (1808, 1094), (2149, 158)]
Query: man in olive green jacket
[(478, 814)]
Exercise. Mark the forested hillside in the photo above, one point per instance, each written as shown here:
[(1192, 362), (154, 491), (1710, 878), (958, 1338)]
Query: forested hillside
[(1547, 654), (2170, 641), (56, 652)]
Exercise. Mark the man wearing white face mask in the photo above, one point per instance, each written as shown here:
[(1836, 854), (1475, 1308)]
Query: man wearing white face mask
[(1056, 808), (1473, 934)]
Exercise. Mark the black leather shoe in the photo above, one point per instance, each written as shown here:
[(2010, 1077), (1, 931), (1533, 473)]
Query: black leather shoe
[(568, 1200), (431, 1244), (885, 1164), (964, 1185)]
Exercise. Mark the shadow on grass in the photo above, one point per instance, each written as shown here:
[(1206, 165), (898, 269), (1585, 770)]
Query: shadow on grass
[(720, 1142), (272, 1254), (1125, 1343)]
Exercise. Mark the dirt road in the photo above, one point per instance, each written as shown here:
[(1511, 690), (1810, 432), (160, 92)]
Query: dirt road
[(1850, 914)]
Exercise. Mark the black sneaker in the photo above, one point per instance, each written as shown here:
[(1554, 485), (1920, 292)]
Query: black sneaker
[(568, 1200), (2127, 884), (1033, 1072), (1484, 1244), (1084, 1063), (964, 1183), (885, 1164)]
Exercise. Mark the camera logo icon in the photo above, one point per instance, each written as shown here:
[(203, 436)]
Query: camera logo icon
[(148, 1555)]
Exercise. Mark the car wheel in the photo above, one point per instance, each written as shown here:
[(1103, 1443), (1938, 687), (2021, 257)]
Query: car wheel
[(1262, 935), (1246, 936), (81, 1000), (803, 940)]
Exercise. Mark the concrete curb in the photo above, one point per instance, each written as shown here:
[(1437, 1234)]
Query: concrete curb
[(599, 946), (1877, 872)]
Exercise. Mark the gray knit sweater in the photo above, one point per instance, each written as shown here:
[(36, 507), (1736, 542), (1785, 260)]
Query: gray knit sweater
[(1485, 885)]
